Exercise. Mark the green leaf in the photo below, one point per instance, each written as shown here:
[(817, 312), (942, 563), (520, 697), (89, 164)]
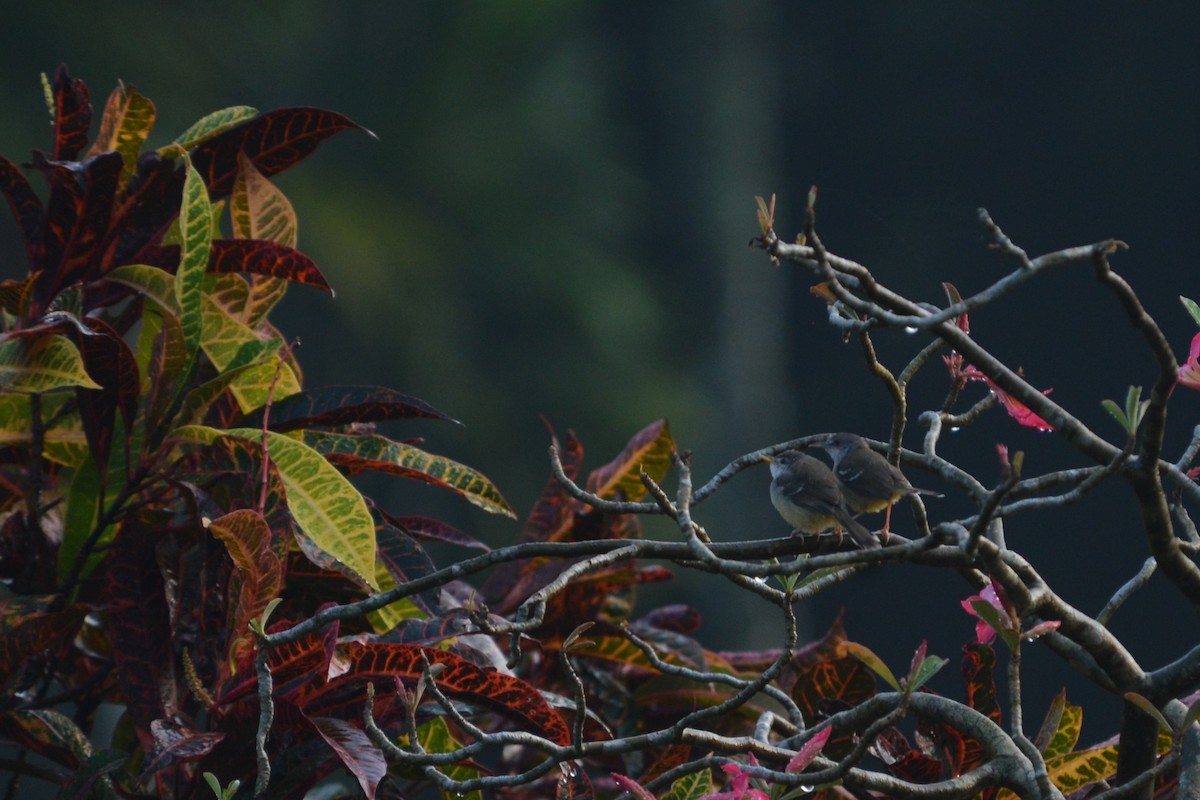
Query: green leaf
[(435, 737), (195, 230), (1118, 414), (998, 621), (926, 670), (34, 364), (63, 442), (1192, 308), (1075, 770), (872, 662), (156, 284), (327, 507), (691, 787), (228, 343), (357, 454), (210, 125), (249, 384)]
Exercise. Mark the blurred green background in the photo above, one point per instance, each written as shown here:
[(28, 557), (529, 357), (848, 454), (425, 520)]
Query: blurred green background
[(555, 215)]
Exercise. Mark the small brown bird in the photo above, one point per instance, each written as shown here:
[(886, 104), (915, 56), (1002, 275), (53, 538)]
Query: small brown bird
[(869, 481), (806, 494)]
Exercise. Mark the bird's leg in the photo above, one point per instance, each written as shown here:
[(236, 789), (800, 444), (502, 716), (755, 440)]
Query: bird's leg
[(887, 524)]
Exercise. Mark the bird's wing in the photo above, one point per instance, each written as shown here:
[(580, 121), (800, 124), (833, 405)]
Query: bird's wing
[(815, 492)]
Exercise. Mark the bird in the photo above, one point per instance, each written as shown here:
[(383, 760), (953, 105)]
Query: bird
[(869, 481), (806, 494)]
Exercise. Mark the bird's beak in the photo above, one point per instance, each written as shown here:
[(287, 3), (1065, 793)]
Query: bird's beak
[(765, 457)]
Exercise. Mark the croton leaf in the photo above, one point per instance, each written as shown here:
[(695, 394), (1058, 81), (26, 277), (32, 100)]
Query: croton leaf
[(230, 344), (107, 357), (1061, 728), (25, 205), (127, 120), (332, 406), (371, 453), (1072, 771), (406, 560), (364, 760), (195, 230), (258, 209), (428, 529), (78, 215), (648, 451), (273, 141), (139, 625), (846, 679), (690, 787), (73, 115), (459, 679), (259, 257), (331, 513), (143, 211), (37, 364), (174, 743), (28, 630), (435, 737), (51, 734), (212, 124), (978, 666), (259, 576)]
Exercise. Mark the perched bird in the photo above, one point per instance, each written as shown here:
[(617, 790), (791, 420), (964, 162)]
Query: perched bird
[(869, 481), (806, 494)]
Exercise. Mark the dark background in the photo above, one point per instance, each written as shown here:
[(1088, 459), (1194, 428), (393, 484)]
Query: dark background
[(554, 221)]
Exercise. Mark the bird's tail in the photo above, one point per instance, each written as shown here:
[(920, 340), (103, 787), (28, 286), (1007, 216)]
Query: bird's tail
[(859, 533)]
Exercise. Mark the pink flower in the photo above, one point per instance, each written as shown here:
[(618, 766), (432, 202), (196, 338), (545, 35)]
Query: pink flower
[(1189, 373), (984, 632), (1015, 408), (739, 783)]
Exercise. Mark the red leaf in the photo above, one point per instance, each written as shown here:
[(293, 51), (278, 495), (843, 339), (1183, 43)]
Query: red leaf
[(110, 363), (506, 695), (25, 205), (265, 258), (406, 561), (678, 618), (139, 625), (146, 207), (427, 529), (811, 749), (364, 760), (72, 117), (273, 142), (177, 743), (632, 786), (257, 581), (978, 666), (78, 213), (294, 666), (342, 405), (26, 632)]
